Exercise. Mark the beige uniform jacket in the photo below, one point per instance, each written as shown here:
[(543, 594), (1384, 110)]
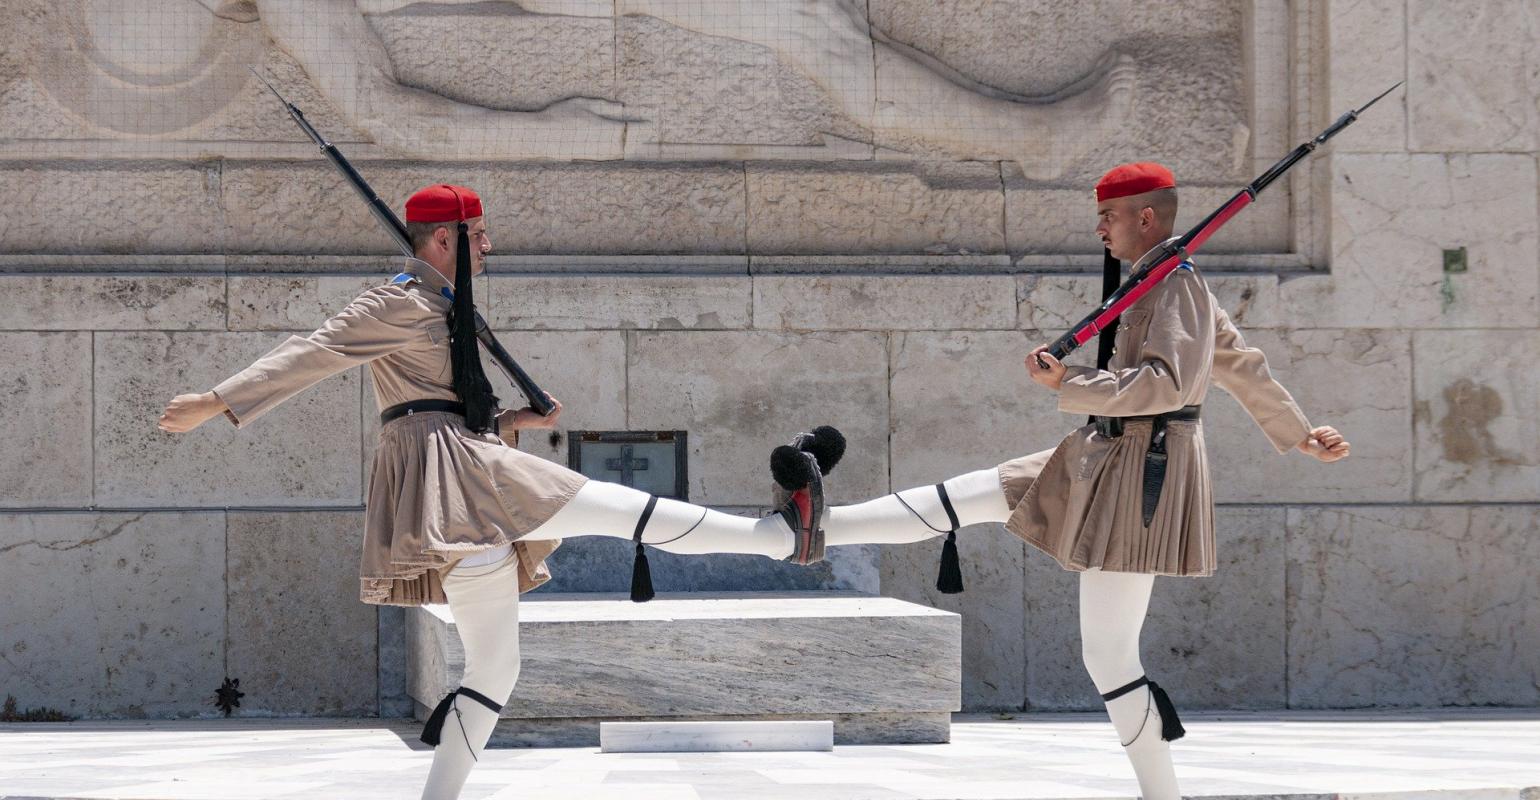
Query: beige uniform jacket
[(437, 491), (1082, 502)]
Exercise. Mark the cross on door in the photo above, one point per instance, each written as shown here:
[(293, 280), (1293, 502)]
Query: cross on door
[(626, 465)]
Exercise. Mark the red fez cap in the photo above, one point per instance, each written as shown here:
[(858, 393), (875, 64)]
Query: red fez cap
[(442, 202), (1126, 180)]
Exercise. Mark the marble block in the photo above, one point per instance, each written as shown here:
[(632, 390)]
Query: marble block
[(306, 451), (113, 302), (1477, 416), (716, 737), (298, 637), (874, 208), (850, 657), (1463, 104), (113, 614), (626, 302), (1392, 216), (1413, 606), (1368, 54), (1215, 642), (45, 383), (884, 302)]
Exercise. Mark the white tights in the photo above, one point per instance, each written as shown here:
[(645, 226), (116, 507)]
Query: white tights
[(485, 602), (1112, 605), (484, 599)]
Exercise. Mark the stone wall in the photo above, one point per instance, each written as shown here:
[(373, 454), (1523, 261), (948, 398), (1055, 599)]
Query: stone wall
[(746, 294)]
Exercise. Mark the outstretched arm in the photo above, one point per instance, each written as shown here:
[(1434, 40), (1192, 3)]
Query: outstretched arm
[(367, 329), (1243, 372)]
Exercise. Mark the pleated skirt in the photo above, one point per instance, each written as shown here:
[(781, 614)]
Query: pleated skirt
[(1082, 503), (439, 492)]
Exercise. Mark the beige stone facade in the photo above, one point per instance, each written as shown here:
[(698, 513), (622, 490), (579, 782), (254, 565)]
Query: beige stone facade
[(763, 244)]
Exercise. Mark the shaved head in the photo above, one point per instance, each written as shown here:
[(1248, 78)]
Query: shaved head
[(1162, 202)]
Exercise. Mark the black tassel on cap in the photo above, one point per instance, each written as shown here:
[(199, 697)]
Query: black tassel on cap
[(1170, 725), (470, 380), (641, 571), (949, 580)]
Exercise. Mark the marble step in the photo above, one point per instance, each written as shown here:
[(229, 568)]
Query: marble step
[(882, 670), (716, 737)]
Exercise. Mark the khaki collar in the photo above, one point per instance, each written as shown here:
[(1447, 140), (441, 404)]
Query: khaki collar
[(430, 277)]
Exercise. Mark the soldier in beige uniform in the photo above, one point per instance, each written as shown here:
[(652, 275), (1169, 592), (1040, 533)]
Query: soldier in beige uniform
[(454, 513), (1084, 503)]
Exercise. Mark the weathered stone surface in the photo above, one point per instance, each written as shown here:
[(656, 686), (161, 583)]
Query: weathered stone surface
[(1392, 216), (697, 76), (1464, 104), (741, 394), (645, 302), (890, 302), (874, 208), (504, 57), (1368, 54), (46, 385), (587, 657), (1358, 381), (393, 698), (993, 622), (1211, 642), (113, 302), (1413, 606), (298, 637), (293, 302), (125, 204), (531, 208), (113, 615), (303, 452), (1477, 406), (1184, 108)]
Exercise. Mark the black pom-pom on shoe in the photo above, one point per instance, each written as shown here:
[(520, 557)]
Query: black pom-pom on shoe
[(790, 468), (827, 445)]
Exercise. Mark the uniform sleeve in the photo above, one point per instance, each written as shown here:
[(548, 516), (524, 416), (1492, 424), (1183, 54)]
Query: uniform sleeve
[(379, 322), (1171, 359), (1242, 371)]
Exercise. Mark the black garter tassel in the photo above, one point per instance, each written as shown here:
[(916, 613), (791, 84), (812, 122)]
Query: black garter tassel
[(641, 577), (641, 571), (1170, 725), (435, 724), (950, 580)]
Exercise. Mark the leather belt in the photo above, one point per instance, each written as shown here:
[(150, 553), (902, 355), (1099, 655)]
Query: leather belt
[(1112, 427), (1155, 457), (419, 406)]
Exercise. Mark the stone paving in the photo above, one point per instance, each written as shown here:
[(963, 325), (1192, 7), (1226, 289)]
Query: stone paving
[(1481, 755)]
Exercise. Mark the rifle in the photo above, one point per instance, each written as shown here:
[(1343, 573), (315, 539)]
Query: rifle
[(538, 400), (1175, 250)]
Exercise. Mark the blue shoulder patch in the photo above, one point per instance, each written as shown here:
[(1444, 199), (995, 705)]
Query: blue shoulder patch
[(407, 277), (1187, 265)]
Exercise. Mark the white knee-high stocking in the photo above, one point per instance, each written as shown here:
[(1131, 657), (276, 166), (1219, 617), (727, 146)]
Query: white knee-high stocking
[(917, 514), (1112, 610), (485, 604), (609, 509)]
